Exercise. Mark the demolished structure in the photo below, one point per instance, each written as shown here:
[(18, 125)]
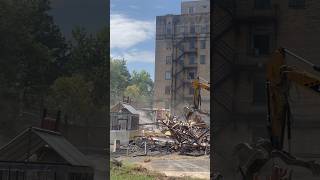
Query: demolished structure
[(188, 134), (192, 133)]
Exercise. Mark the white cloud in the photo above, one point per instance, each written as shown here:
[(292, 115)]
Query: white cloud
[(134, 55), (126, 32)]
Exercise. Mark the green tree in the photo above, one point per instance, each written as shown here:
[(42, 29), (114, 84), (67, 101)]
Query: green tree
[(119, 79), (89, 57), (132, 91), (143, 80), (32, 54), (32, 49), (73, 95)]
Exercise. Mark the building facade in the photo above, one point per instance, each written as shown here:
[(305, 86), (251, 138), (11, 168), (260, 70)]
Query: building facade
[(182, 54), (245, 34)]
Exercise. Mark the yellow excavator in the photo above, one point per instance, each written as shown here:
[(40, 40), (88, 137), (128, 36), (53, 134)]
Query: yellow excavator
[(198, 84), (279, 76)]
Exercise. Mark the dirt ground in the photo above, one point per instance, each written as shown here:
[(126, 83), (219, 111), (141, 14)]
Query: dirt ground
[(174, 165)]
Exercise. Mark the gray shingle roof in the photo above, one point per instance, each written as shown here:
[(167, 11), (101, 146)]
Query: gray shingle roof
[(31, 139)]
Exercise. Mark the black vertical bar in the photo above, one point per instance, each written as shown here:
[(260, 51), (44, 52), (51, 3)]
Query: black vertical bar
[(212, 145)]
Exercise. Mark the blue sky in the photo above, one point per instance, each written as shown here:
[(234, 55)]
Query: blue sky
[(133, 24)]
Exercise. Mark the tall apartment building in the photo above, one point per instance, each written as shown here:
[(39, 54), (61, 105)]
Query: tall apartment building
[(182, 54), (245, 34)]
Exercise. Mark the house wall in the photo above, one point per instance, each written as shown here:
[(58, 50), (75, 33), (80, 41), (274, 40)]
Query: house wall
[(32, 171)]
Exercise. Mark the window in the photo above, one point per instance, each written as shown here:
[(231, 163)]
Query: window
[(167, 90), (192, 28), (204, 28), (297, 3), (192, 44), (261, 44), (168, 45), (191, 75), (182, 46), (123, 124), (114, 122), (168, 30), (168, 60), (167, 75), (259, 91), (191, 9), (203, 44), (181, 29), (262, 4), (181, 61), (74, 176), (134, 123), (202, 59), (192, 59)]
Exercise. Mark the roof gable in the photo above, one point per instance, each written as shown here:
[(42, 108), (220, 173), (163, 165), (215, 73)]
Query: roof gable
[(32, 139), (120, 106)]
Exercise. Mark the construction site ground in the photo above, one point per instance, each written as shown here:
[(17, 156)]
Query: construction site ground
[(173, 165)]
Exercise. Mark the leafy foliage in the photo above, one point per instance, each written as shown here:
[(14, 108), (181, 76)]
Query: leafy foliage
[(138, 85), (119, 79), (73, 95), (84, 87), (38, 68), (89, 57), (32, 48), (143, 81)]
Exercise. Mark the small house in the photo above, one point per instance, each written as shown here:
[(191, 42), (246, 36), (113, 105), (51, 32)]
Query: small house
[(124, 122), (40, 154)]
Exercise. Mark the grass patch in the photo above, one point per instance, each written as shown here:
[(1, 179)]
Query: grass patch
[(135, 172), (132, 172)]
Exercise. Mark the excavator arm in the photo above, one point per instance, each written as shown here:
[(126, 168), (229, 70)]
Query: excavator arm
[(252, 157), (198, 85), (279, 76)]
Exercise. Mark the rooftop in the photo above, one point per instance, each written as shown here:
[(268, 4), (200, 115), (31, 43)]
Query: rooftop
[(28, 142)]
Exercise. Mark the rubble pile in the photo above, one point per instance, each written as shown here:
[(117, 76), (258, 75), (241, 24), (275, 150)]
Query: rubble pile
[(191, 133), (188, 134)]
